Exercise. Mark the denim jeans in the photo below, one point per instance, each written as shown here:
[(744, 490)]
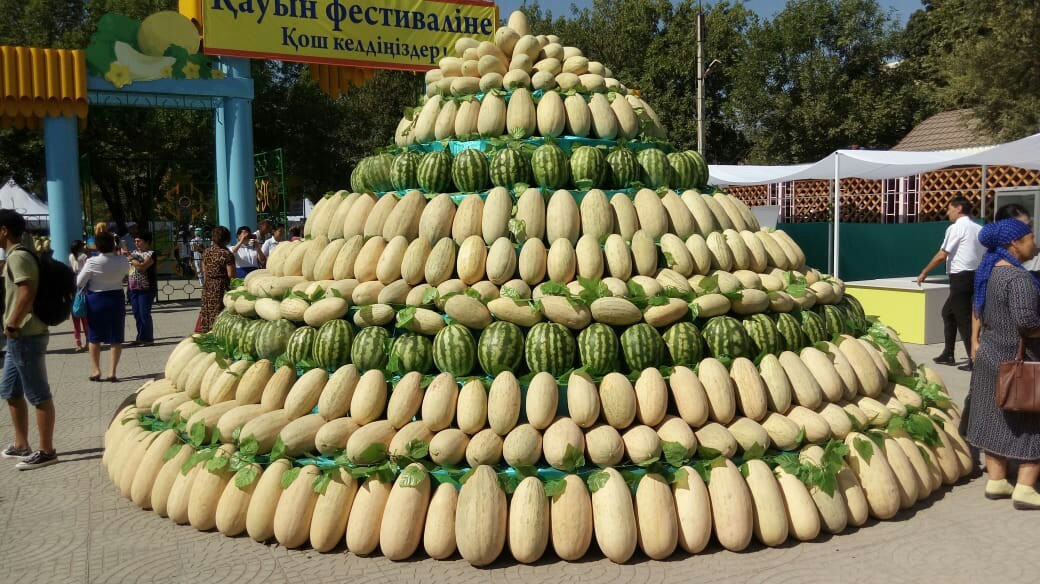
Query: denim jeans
[(25, 370), (141, 304)]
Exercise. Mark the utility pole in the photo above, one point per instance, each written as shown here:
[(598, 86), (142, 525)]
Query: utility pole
[(700, 81)]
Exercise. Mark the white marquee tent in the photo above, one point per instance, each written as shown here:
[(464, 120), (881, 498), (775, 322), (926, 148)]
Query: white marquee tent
[(15, 197), (879, 164)]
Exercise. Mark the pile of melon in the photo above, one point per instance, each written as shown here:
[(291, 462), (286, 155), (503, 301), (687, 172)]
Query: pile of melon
[(524, 371)]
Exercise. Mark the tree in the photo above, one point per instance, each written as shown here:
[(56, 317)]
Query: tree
[(984, 56)]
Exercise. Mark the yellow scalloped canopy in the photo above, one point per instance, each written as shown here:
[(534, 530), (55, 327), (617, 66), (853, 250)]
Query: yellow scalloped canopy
[(335, 81), (35, 83)]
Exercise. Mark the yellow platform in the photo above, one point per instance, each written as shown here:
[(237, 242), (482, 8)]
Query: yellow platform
[(912, 311)]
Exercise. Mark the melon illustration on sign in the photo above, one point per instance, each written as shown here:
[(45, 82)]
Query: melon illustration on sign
[(162, 29), (165, 45), (600, 350)]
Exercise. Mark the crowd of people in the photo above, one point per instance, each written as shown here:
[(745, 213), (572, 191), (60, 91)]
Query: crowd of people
[(994, 304)]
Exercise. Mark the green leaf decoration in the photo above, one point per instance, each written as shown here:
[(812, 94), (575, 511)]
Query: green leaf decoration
[(217, 463), (555, 488), (197, 434), (246, 476), (675, 454), (707, 453), (864, 448), (321, 482), (573, 458), (597, 480), (290, 476), (172, 451), (278, 450), (417, 449), (755, 452), (374, 453), (429, 296)]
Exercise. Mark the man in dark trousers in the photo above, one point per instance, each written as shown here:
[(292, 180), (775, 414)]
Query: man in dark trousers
[(961, 251)]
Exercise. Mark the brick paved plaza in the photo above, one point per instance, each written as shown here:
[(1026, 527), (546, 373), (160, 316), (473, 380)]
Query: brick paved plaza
[(67, 523)]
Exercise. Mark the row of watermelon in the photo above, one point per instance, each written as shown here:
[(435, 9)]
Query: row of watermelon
[(548, 167), (548, 347)]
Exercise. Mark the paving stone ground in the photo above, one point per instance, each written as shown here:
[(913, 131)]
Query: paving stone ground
[(67, 523)]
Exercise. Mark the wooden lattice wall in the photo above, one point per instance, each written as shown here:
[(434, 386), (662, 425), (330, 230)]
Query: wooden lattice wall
[(876, 201)]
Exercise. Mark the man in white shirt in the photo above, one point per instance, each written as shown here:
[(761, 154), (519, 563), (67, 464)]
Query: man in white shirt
[(197, 246), (961, 251), (277, 236)]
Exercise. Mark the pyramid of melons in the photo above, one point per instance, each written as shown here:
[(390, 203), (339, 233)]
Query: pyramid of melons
[(533, 367)]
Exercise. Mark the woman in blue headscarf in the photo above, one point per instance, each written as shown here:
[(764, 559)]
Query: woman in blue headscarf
[(1006, 302)]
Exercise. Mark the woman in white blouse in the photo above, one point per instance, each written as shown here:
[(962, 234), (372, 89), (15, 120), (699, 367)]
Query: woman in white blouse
[(102, 276)]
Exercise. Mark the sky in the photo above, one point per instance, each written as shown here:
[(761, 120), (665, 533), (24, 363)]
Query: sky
[(901, 9)]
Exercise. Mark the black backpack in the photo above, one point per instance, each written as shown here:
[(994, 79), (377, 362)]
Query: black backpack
[(55, 292)]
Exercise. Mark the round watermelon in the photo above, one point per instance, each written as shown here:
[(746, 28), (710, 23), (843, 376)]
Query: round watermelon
[(685, 173), (434, 173), (411, 352), (550, 167), (454, 350), (684, 343), (598, 347), (332, 344), (470, 171), (370, 349), (702, 167), (791, 331), (299, 347), (765, 337), (642, 346), (500, 348), (377, 173), (404, 172), (549, 347), (588, 167), (726, 338), (509, 167), (655, 171), (623, 168), (273, 338)]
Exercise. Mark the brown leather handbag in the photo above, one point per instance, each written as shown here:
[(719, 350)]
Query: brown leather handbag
[(1018, 384)]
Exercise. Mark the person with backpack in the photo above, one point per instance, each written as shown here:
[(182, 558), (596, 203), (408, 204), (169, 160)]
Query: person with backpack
[(24, 377), (102, 276)]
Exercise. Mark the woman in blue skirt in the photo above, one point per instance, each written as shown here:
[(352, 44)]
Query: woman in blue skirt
[(102, 276)]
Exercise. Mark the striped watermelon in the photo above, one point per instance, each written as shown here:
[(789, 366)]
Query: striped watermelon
[(377, 172), (247, 342), (332, 345), (685, 173), (357, 178), (642, 346), (624, 168), (549, 347), (788, 327), (232, 329), (655, 170), (454, 350), (726, 338), (434, 173), (550, 167), (598, 346), (509, 167), (500, 348), (814, 327), (470, 171), (299, 347), (765, 337), (370, 349), (684, 343), (588, 167), (411, 352), (273, 337), (404, 172), (702, 167), (854, 315), (833, 319)]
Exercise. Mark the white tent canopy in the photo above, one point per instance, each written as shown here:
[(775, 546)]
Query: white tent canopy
[(15, 197), (880, 164)]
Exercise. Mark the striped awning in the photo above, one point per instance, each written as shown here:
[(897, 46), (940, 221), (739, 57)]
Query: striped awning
[(36, 83)]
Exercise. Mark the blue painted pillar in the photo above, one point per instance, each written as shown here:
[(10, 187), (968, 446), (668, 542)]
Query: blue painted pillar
[(238, 127), (61, 139), (225, 216)]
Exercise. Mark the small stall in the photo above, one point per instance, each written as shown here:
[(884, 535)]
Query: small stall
[(914, 311)]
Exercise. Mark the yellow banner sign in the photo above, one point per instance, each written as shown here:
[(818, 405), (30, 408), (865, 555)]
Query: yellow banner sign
[(411, 35)]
